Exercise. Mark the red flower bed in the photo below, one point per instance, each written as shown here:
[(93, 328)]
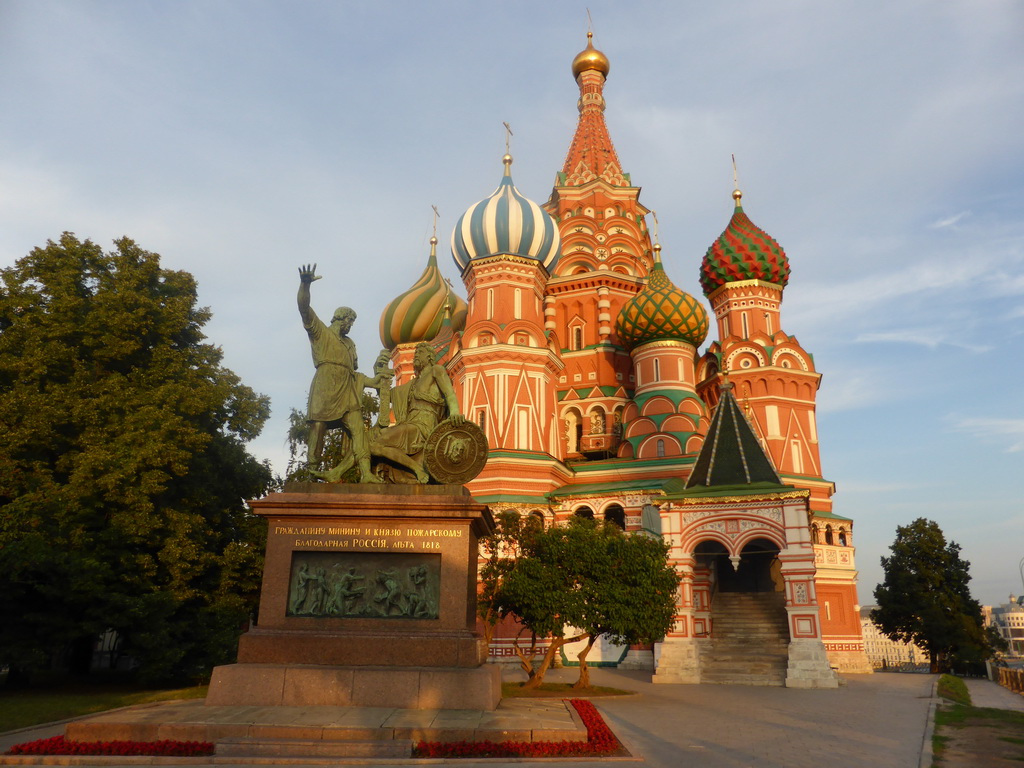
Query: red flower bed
[(600, 741), (58, 745)]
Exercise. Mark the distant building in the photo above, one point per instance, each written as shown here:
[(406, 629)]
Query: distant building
[(886, 653), (1008, 619)]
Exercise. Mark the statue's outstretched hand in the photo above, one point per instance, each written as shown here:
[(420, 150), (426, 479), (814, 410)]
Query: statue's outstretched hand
[(458, 419), (307, 274)]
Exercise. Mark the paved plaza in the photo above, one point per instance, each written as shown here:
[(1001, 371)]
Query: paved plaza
[(876, 720)]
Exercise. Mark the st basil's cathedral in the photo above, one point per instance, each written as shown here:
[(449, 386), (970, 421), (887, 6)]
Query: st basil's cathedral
[(580, 359)]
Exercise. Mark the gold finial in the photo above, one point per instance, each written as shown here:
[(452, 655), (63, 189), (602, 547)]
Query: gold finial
[(449, 301), (736, 194), (654, 215), (437, 215)]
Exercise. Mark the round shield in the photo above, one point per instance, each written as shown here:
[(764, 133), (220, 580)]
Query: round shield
[(455, 453)]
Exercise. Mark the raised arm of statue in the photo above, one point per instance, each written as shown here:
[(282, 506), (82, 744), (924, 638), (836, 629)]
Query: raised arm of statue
[(307, 274)]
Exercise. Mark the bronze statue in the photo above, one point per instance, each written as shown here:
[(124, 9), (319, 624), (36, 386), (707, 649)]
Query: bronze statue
[(419, 406), (430, 438), (336, 393)]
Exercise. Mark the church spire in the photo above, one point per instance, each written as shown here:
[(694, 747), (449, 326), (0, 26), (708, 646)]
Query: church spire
[(591, 153)]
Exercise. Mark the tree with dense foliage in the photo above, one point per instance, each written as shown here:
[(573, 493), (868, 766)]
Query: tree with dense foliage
[(123, 466), (594, 578), (925, 599), (501, 549)]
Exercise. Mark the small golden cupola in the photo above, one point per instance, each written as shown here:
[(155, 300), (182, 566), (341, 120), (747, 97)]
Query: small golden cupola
[(590, 58)]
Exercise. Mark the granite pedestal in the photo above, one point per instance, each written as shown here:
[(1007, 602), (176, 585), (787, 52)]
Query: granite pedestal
[(368, 599)]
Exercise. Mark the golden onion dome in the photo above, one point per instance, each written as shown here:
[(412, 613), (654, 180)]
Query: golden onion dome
[(590, 58)]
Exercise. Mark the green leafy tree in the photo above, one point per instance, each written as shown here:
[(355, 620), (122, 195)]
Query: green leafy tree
[(501, 549), (123, 466), (595, 578), (925, 599)]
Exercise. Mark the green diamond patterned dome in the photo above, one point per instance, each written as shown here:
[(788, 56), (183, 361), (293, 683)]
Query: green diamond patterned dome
[(661, 311)]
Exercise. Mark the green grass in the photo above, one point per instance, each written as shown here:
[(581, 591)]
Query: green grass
[(954, 689), (32, 706), (958, 716), (558, 690)]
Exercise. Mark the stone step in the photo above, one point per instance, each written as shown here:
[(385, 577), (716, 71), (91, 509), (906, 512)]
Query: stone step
[(739, 679), (400, 748), (731, 655)]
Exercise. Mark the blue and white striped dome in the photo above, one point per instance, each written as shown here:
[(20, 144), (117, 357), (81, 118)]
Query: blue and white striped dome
[(506, 223)]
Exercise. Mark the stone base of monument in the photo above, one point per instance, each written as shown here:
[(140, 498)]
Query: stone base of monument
[(293, 685), (368, 599)]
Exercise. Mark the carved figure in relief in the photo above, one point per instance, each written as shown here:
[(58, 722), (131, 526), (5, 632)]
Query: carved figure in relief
[(346, 593), (301, 591), (390, 598), (419, 604)]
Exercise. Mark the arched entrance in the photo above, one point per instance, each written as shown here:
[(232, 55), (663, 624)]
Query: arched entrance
[(756, 569), (744, 619)]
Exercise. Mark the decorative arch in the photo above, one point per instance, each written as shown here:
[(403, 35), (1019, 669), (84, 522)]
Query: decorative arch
[(648, 448), (615, 513)]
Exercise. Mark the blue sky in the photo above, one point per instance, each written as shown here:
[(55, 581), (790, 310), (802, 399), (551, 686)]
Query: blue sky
[(879, 142)]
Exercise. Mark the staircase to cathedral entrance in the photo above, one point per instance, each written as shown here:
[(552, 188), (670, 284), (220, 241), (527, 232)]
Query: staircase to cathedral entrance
[(749, 640)]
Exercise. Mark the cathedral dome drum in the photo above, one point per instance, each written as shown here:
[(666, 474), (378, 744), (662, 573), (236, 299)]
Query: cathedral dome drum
[(744, 251), (506, 223), (417, 315), (661, 311)]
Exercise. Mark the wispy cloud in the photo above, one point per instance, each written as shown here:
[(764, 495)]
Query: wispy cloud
[(951, 221), (931, 338), (993, 428)]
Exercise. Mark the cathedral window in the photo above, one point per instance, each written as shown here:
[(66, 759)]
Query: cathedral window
[(660, 448), (490, 303), (842, 537), (616, 514), (657, 369), (585, 511), (797, 460), (743, 323), (481, 419), (828, 535), (517, 302), (577, 337)]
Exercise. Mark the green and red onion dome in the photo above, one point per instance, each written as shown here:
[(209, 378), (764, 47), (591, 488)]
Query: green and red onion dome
[(744, 251), (661, 311), (418, 314)]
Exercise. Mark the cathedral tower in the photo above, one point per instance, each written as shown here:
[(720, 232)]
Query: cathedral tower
[(505, 364), (606, 257)]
